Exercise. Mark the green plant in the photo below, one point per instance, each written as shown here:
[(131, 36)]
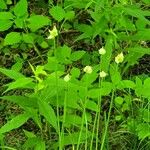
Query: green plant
[(77, 99)]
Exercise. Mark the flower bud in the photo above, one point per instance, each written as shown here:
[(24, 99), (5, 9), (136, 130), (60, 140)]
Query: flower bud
[(67, 78), (53, 33), (102, 51), (119, 58), (103, 74), (88, 69)]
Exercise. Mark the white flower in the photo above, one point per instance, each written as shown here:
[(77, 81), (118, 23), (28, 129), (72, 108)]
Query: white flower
[(119, 58), (102, 51), (103, 74), (88, 69), (53, 33), (67, 78)]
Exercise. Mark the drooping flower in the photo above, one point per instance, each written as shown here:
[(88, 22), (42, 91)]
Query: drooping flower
[(119, 58), (67, 78), (53, 33), (88, 69), (103, 74), (102, 51)]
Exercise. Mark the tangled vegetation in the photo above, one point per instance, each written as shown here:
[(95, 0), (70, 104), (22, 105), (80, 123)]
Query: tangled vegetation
[(75, 74)]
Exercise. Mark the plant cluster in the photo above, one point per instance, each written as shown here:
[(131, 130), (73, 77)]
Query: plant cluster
[(71, 74)]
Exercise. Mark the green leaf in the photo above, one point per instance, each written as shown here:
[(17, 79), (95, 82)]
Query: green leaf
[(105, 59), (19, 83), (12, 38), (38, 21), (72, 120), (16, 122), (73, 139), (21, 101), (126, 84), (21, 8), (77, 55), (6, 15), (115, 74), (75, 72), (11, 73), (47, 111), (69, 15), (141, 35), (136, 12), (5, 24), (28, 38), (40, 145), (143, 130), (57, 13), (3, 4), (119, 100), (91, 105), (63, 54)]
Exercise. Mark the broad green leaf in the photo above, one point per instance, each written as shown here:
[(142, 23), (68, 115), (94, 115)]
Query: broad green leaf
[(11, 73), (47, 111), (29, 134), (31, 143), (126, 84), (63, 54), (77, 55), (5, 24), (73, 138), (115, 74), (119, 100), (141, 35), (21, 101), (103, 91), (34, 115), (6, 16), (75, 72), (146, 88), (20, 22), (143, 130), (19, 83), (57, 13), (36, 22), (69, 15), (72, 120), (21, 8), (87, 31), (140, 50), (16, 122), (146, 1), (91, 105), (40, 145), (105, 60), (136, 12), (12, 38), (28, 38), (3, 4)]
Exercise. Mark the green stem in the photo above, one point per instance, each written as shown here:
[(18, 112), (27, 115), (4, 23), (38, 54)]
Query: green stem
[(64, 115), (84, 119), (107, 122)]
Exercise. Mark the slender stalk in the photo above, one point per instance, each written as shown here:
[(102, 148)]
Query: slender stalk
[(84, 119), (64, 115), (57, 100), (107, 122), (98, 115)]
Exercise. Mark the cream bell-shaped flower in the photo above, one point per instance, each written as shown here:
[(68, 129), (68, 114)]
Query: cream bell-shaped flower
[(53, 33), (67, 78), (119, 58), (88, 69), (102, 51), (103, 74)]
